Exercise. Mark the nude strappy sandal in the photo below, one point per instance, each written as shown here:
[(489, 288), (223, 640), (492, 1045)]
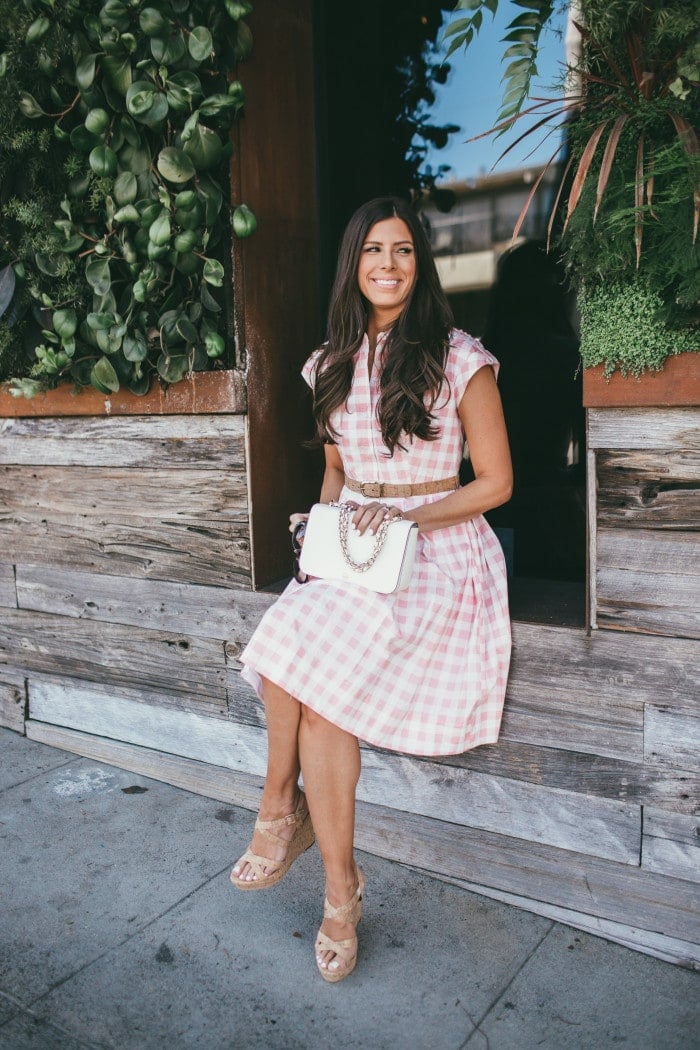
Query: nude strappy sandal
[(302, 838), (346, 950)]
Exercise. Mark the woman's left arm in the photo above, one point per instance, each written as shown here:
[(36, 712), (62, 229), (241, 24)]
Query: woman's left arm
[(484, 426)]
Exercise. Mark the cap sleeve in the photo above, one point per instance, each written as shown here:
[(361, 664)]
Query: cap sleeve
[(465, 358), (309, 369)]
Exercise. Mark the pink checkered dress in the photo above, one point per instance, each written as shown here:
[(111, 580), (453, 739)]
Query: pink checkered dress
[(422, 671)]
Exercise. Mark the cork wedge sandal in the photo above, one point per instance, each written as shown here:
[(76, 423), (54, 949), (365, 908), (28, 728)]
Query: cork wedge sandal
[(267, 872), (345, 950)]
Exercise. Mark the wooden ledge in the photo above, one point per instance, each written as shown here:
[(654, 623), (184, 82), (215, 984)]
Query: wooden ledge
[(203, 393), (678, 383)]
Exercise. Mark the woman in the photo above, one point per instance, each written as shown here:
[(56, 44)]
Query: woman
[(421, 671)]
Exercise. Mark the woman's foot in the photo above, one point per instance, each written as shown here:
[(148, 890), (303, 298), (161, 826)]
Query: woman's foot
[(276, 844), (336, 944)]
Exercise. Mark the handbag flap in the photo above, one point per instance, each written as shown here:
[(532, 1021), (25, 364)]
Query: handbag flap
[(322, 554)]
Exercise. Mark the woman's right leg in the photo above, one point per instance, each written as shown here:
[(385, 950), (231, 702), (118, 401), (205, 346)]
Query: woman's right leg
[(281, 790), (330, 759)]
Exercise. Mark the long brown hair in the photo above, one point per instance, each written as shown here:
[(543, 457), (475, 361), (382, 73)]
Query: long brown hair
[(413, 362)]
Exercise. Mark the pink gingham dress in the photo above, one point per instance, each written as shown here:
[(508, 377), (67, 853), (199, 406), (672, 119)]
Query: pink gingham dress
[(422, 671)]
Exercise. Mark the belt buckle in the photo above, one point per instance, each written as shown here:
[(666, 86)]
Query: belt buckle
[(371, 489)]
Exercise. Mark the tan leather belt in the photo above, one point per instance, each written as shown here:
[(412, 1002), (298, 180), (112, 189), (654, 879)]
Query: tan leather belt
[(378, 490)]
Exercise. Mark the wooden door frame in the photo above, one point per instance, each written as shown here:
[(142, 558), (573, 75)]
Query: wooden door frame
[(275, 272)]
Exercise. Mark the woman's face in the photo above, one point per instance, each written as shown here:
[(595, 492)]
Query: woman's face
[(387, 269)]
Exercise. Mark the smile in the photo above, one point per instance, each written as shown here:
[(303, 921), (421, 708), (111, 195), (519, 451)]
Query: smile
[(385, 282)]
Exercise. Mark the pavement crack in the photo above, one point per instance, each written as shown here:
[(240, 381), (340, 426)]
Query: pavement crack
[(475, 1028), (502, 992), (129, 937), (35, 776), (25, 1010)]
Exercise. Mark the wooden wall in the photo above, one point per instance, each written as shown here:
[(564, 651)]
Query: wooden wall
[(645, 517), (125, 600), (124, 542)]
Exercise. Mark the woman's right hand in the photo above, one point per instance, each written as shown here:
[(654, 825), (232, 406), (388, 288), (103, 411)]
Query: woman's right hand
[(295, 519)]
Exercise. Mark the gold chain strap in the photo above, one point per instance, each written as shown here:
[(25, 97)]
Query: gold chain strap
[(344, 527)]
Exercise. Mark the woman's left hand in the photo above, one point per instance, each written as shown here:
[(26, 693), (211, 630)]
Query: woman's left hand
[(369, 516)]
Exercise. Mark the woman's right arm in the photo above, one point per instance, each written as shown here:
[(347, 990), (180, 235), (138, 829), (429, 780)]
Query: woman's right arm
[(333, 481), (334, 475)]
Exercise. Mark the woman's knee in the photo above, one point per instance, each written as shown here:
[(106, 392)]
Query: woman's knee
[(312, 720)]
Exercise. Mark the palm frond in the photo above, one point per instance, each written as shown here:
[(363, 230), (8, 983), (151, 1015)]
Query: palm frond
[(686, 133), (608, 158), (523, 39), (531, 194), (639, 200), (582, 170)]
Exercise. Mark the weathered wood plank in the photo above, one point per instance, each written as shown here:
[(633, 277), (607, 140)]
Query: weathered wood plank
[(556, 722), (163, 662), (13, 699), (8, 591), (179, 732), (671, 844), (650, 602), (566, 819), (668, 949), (61, 688), (566, 691), (655, 428), (193, 442), (602, 670), (672, 737), (592, 530), (649, 550), (649, 580), (189, 525), (635, 783), (188, 550), (601, 894), (594, 886), (202, 778), (243, 704), (204, 612), (653, 489), (113, 494)]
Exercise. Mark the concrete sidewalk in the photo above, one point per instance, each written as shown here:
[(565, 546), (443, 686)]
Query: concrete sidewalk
[(119, 928)]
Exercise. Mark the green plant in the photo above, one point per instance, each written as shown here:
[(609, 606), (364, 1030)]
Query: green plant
[(623, 326), (629, 196), (522, 38), (125, 111)]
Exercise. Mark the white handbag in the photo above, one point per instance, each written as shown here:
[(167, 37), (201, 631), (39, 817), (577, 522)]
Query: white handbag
[(332, 551)]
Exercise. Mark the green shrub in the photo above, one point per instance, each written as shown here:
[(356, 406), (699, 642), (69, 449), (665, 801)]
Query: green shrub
[(624, 326)]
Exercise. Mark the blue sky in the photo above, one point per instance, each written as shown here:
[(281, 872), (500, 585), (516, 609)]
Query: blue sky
[(473, 91)]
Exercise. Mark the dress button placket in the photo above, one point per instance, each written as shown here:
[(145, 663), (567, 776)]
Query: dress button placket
[(373, 393)]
